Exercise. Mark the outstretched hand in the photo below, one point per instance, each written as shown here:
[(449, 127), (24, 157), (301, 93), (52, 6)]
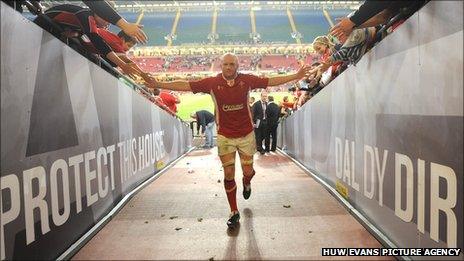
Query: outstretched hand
[(135, 30), (303, 71), (151, 82), (342, 29), (130, 69)]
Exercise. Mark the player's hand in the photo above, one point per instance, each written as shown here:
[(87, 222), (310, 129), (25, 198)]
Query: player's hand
[(303, 71), (151, 82)]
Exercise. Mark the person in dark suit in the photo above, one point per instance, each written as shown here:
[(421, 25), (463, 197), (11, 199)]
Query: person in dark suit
[(273, 112), (251, 101), (260, 123)]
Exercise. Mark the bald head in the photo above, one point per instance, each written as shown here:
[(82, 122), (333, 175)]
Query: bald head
[(229, 65), (229, 56)]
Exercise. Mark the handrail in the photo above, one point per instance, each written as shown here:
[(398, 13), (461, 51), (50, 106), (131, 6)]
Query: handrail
[(390, 23), (33, 9), (403, 13)]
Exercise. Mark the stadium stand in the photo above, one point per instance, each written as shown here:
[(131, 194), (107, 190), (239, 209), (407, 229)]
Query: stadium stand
[(156, 25), (193, 27), (233, 27), (273, 26), (312, 24)]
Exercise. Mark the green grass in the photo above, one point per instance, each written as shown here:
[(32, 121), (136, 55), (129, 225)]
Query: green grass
[(194, 102)]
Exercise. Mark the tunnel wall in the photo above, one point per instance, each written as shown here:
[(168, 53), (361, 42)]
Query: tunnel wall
[(388, 133), (74, 141)]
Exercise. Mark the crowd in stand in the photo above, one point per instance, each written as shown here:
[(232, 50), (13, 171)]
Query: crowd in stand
[(211, 62), (218, 50), (344, 46), (187, 63)]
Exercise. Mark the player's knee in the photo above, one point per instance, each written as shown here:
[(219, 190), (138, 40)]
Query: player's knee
[(248, 170), (229, 176), (229, 163), (246, 163), (229, 172)]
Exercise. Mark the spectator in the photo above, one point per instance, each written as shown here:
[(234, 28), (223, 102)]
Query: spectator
[(366, 11), (261, 123), (303, 98), (206, 120), (273, 112), (120, 44), (287, 105), (84, 22), (170, 99), (104, 9), (323, 46), (154, 97), (314, 85), (252, 100), (283, 112), (355, 46), (296, 89)]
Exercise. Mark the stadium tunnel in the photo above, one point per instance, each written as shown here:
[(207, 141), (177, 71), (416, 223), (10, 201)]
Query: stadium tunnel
[(90, 169)]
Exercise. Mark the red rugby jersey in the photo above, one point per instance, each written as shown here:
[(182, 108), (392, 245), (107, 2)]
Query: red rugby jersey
[(113, 41), (233, 115), (169, 100)]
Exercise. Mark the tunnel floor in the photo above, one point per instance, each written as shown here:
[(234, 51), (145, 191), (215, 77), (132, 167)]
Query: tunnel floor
[(183, 214)]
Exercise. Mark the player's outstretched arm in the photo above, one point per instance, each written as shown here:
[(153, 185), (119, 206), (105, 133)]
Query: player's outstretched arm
[(278, 80), (175, 85)]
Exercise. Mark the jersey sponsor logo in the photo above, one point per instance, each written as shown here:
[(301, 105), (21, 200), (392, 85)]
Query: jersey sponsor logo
[(232, 107)]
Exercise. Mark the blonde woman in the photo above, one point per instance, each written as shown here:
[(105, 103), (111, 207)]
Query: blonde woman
[(323, 46), (354, 47)]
